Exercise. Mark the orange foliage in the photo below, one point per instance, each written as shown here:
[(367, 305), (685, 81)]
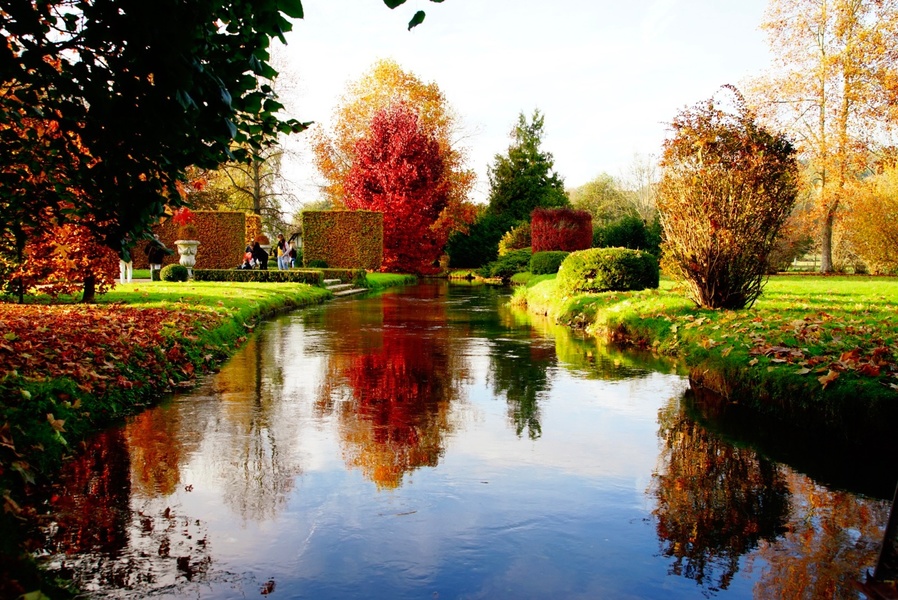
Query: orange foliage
[(222, 237), (61, 259)]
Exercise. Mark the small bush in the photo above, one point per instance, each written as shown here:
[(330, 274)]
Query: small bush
[(173, 273), (629, 232), (516, 238), (607, 269), (547, 263), (516, 261)]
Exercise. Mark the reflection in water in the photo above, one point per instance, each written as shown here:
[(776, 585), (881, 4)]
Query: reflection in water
[(403, 377), (715, 501), (325, 407), (255, 471), (103, 542)]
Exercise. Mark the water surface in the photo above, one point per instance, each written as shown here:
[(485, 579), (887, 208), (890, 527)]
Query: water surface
[(431, 442)]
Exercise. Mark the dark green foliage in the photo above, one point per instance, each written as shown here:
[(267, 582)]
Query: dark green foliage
[(139, 91), (174, 272), (352, 239), (480, 245), (292, 276), (607, 269), (524, 178), (629, 232), (516, 261), (547, 263), (317, 264), (308, 275)]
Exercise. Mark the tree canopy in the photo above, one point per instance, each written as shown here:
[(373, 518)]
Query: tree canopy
[(398, 170), (833, 86), (524, 178)]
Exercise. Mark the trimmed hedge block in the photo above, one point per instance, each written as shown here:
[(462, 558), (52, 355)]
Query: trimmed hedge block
[(547, 263), (222, 236), (349, 239), (607, 269), (267, 276), (560, 229)]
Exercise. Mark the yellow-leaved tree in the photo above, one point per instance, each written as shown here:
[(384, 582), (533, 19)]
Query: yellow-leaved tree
[(833, 86), (385, 84)]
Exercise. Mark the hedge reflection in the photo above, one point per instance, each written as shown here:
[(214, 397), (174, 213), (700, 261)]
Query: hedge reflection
[(715, 502), (402, 377)]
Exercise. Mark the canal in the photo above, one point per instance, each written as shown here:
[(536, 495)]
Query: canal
[(431, 442)]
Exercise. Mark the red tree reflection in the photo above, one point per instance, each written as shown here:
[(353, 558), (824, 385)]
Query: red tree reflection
[(402, 378)]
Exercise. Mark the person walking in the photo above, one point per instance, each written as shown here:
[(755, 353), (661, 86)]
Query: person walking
[(156, 252), (282, 257), (125, 266)]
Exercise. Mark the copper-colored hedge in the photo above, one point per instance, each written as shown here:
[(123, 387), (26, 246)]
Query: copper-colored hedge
[(222, 237), (347, 239), (566, 229)]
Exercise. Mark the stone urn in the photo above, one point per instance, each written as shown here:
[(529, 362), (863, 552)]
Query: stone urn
[(187, 251)]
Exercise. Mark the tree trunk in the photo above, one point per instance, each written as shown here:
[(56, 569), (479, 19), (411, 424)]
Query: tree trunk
[(826, 243), (90, 290)]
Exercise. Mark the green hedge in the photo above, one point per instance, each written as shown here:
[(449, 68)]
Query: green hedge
[(344, 238), (273, 275), (516, 261), (547, 263), (607, 269), (356, 277)]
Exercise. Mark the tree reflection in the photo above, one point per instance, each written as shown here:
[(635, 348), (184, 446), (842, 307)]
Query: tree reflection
[(519, 370), (716, 502), (257, 472), (156, 451), (403, 376), (99, 541), (831, 538)]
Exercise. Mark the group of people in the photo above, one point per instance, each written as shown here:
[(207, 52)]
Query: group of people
[(284, 252), (256, 256)]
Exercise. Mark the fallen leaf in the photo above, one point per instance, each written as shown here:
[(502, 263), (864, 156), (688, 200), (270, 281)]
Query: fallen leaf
[(827, 379)]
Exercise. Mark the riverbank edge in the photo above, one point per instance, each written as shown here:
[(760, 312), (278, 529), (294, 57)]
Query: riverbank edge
[(84, 414), (853, 408)]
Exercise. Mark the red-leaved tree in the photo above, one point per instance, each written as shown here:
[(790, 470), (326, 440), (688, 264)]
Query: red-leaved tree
[(560, 229), (399, 171)]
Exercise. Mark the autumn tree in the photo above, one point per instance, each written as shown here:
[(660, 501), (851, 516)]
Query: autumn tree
[(834, 86), (728, 185), (872, 222), (385, 84), (398, 170)]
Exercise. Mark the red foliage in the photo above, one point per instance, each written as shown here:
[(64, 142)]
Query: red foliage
[(560, 229), (399, 171), (182, 216), (89, 344)]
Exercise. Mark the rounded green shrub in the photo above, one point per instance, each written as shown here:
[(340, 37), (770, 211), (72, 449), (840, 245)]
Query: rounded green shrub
[(173, 272), (547, 263), (607, 269), (516, 261)]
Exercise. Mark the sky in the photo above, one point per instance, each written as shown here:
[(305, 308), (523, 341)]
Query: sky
[(608, 75)]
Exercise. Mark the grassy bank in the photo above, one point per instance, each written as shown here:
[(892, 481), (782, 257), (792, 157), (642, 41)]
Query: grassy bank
[(815, 351), (68, 370)]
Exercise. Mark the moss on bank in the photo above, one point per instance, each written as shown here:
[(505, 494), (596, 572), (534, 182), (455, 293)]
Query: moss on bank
[(818, 352)]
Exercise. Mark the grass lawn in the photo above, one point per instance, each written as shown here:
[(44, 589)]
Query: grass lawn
[(822, 350)]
